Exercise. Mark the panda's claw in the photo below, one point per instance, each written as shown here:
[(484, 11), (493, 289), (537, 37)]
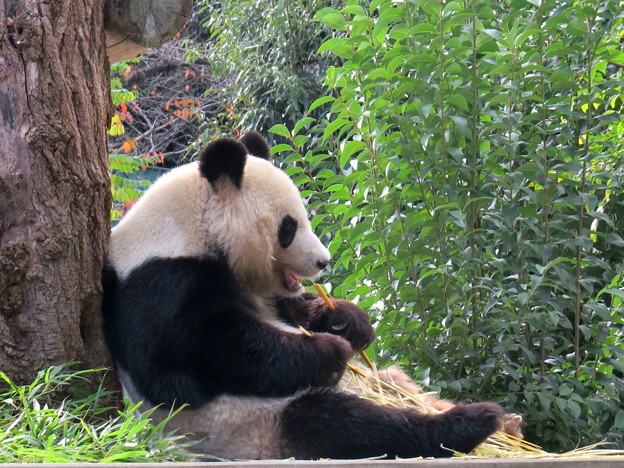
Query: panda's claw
[(339, 326)]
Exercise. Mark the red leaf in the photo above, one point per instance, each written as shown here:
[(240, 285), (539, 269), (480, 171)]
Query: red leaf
[(129, 145)]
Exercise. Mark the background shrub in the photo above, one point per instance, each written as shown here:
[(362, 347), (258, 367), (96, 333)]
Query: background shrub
[(467, 175), (267, 52)]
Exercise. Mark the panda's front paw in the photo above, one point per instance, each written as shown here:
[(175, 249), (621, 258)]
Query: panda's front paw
[(346, 320), (333, 353)]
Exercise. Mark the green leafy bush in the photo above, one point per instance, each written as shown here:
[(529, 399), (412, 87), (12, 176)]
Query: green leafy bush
[(127, 181), (267, 51), (37, 428), (126, 187), (469, 167)]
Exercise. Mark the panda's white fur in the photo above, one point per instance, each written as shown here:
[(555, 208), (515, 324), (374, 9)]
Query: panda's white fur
[(157, 226), (230, 427), (202, 304)]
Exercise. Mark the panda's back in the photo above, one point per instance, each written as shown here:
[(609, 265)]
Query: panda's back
[(163, 223)]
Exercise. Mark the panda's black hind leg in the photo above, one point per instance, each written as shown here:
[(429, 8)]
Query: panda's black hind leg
[(324, 423)]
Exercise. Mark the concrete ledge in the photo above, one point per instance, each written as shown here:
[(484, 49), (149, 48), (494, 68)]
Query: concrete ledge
[(593, 462)]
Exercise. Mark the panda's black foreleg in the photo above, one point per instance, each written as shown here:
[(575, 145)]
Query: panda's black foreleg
[(346, 319), (325, 423)]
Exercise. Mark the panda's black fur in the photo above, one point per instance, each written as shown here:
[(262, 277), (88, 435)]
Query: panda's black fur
[(186, 327), (191, 351)]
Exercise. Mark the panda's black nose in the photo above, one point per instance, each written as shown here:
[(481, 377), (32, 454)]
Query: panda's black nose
[(321, 264)]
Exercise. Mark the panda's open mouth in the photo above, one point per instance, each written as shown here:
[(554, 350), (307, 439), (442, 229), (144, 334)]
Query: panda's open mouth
[(292, 280)]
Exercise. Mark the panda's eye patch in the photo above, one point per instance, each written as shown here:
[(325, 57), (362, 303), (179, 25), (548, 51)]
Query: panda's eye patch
[(286, 232)]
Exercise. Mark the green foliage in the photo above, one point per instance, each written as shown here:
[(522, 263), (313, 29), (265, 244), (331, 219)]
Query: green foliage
[(125, 186), (36, 428), (119, 94), (469, 167), (268, 50)]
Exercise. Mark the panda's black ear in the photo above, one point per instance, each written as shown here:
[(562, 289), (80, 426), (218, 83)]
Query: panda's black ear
[(225, 157), (257, 145)]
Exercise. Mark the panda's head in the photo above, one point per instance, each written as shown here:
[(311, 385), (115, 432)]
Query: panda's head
[(255, 216)]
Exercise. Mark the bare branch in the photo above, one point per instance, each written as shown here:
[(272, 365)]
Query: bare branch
[(172, 102)]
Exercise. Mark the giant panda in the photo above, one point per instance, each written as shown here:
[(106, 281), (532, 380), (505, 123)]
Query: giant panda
[(202, 303)]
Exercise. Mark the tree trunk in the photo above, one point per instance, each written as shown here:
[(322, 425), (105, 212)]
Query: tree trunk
[(54, 185)]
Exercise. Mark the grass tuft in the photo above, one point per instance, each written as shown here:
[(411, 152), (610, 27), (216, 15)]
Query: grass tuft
[(35, 427)]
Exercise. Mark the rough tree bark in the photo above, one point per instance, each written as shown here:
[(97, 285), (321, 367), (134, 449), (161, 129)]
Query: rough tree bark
[(54, 186)]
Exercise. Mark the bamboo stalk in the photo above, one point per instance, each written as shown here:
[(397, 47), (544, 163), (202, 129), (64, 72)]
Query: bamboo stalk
[(304, 331)]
